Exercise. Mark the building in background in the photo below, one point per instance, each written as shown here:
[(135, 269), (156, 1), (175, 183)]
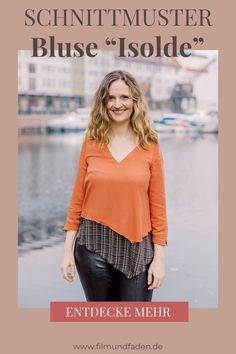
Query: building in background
[(57, 85), (201, 69)]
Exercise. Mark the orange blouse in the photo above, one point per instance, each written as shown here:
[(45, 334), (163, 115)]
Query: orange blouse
[(128, 195)]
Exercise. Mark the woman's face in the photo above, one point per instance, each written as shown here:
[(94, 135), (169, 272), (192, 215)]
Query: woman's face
[(120, 105)]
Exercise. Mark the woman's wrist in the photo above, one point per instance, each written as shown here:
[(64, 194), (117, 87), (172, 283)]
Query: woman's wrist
[(69, 242), (158, 248), (68, 251), (158, 251)]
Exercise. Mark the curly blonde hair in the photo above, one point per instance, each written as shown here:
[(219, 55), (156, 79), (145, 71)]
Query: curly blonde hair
[(100, 122)]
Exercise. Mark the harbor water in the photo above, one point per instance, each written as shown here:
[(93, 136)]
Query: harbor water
[(47, 167)]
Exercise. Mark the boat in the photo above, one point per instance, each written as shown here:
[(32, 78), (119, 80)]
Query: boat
[(199, 121), (206, 121), (70, 122)]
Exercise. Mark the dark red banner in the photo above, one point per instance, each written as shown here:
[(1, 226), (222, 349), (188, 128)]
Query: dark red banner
[(119, 312)]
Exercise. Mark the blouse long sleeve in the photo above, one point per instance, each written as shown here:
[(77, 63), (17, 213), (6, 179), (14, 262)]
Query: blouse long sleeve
[(75, 206), (157, 200)]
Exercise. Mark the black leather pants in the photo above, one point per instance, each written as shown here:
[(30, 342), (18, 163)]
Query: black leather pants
[(102, 282)]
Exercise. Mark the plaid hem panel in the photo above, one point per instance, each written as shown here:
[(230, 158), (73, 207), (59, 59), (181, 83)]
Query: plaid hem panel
[(130, 258)]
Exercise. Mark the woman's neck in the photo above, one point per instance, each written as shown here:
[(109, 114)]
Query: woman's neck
[(121, 130)]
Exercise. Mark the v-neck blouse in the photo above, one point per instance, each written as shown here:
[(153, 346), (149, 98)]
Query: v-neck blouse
[(127, 196), (126, 156)]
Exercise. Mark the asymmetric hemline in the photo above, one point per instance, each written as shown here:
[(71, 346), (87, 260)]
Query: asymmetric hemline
[(115, 228), (129, 258)]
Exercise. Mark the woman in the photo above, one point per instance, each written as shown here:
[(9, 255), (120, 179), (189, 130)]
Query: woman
[(117, 209)]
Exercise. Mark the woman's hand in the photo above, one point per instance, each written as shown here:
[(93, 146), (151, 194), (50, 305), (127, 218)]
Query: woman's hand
[(156, 271), (68, 261), (68, 266)]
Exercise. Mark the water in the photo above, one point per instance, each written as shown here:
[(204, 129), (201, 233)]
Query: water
[(47, 167)]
